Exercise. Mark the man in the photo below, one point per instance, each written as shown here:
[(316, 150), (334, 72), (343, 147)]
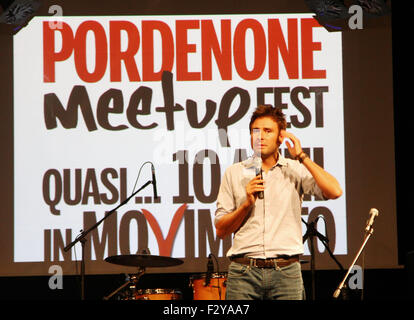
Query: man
[(267, 232)]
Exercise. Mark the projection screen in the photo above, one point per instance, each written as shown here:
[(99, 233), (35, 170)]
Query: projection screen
[(101, 102)]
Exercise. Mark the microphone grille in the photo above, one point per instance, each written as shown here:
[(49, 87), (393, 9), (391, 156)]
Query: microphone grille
[(374, 212)]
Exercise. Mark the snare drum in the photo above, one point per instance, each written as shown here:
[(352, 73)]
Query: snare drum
[(215, 289), (158, 294)]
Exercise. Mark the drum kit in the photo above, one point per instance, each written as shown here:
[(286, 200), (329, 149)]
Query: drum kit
[(210, 286)]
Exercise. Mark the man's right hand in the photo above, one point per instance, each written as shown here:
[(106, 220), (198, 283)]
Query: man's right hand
[(253, 188), (232, 221)]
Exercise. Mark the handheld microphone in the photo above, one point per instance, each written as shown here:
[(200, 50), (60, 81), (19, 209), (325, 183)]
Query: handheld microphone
[(373, 213), (258, 167), (154, 182)]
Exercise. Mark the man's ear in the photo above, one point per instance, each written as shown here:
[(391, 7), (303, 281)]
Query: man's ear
[(281, 137)]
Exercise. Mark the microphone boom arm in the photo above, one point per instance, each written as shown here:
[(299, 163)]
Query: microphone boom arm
[(82, 235)]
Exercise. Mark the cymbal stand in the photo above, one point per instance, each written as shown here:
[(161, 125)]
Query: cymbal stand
[(133, 280)]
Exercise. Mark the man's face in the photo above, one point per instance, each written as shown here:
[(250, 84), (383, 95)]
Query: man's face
[(265, 136)]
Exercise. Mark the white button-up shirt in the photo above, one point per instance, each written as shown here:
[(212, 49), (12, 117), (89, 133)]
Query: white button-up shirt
[(273, 226)]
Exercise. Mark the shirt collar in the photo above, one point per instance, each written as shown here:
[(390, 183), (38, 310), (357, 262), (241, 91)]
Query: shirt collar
[(249, 162)]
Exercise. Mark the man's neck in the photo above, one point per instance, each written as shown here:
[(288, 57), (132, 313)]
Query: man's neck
[(269, 161)]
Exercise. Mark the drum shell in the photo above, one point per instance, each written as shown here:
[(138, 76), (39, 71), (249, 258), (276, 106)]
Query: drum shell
[(214, 290), (158, 294)]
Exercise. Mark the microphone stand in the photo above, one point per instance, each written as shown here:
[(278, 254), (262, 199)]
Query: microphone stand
[(81, 237), (210, 270), (311, 232), (366, 238)]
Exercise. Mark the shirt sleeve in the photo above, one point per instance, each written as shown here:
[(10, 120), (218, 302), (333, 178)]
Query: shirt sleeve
[(309, 185), (225, 199)]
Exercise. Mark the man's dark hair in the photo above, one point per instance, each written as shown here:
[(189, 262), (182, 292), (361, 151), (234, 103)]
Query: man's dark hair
[(266, 110)]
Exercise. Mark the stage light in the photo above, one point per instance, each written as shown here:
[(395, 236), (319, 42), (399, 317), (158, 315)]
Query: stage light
[(374, 7), (340, 15), (18, 12), (337, 9), (328, 9)]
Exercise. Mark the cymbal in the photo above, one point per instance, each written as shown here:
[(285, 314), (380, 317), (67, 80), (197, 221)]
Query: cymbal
[(143, 260)]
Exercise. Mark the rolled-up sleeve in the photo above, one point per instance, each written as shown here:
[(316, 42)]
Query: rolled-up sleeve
[(309, 185), (225, 200)]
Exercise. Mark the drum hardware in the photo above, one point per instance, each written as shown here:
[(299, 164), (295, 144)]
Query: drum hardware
[(141, 261), (128, 293), (158, 294)]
